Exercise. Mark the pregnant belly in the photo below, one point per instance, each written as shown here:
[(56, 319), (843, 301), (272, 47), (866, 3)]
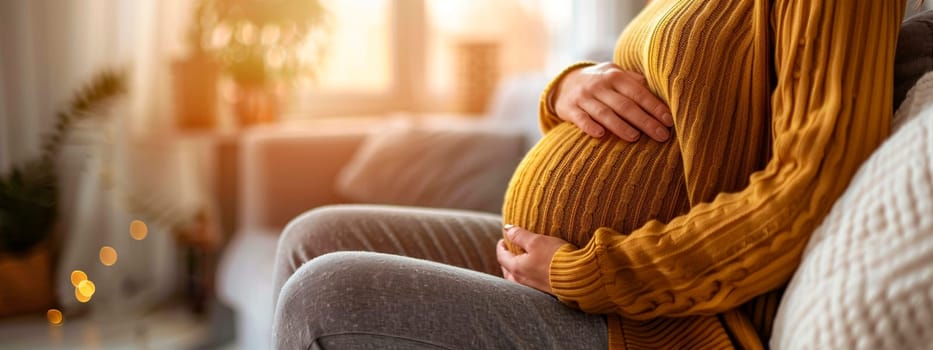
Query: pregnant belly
[(571, 184)]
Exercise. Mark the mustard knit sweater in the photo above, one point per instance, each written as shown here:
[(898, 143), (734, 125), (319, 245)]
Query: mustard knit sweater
[(686, 244)]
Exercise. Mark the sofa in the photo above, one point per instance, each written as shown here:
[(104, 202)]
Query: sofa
[(291, 168)]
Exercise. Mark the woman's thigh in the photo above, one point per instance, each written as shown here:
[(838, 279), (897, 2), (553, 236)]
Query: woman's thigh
[(364, 300), (459, 238)]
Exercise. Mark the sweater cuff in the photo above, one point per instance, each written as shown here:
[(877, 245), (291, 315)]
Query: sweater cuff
[(547, 117), (577, 279)]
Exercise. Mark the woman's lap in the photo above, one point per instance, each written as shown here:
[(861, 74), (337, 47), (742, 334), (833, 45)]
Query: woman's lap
[(359, 299), (363, 299), (459, 238)]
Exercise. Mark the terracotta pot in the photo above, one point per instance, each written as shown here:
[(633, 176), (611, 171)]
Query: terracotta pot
[(26, 282), (256, 104), (194, 84)]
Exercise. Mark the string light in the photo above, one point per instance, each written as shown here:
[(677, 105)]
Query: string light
[(86, 288), (54, 316), (77, 276), (108, 255), (138, 230), (81, 297)]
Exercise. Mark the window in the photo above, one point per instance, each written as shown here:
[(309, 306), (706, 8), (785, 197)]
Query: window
[(358, 71), (358, 56), (402, 55)]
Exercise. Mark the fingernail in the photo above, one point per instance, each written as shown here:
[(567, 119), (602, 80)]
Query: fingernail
[(507, 227), (662, 133), (598, 132), (668, 119), (632, 135)]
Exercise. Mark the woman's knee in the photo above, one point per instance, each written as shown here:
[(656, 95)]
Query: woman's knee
[(312, 226), (310, 234), (313, 233), (324, 296), (329, 278)]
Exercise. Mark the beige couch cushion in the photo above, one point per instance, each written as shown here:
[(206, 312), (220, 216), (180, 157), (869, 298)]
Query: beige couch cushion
[(457, 165), (866, 278), (289, 168)]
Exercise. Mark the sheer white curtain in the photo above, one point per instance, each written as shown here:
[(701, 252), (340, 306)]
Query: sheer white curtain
[(48, 48), (598, 23), (586, 29)]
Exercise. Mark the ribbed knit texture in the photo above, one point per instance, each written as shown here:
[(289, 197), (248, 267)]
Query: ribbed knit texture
[(776, 103)]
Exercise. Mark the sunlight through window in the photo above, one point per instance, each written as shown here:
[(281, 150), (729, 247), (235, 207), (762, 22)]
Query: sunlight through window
[(356, 57)]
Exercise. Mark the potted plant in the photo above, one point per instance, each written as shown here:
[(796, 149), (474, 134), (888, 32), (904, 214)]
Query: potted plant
[(194, 80), (28, 204), (264, 46)]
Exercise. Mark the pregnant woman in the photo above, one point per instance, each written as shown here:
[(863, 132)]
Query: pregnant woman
[(753, 117)]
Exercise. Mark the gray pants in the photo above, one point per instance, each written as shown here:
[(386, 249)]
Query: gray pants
[(440, 290)]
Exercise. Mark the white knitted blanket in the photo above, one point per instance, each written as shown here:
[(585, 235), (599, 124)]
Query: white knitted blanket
[(866, 277)]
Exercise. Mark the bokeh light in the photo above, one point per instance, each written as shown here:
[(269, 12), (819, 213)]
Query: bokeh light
[(276, 57), (77, 276), (246, 34), (221, 35), (269, 35), (54, 316), (108, 255), (81, 297), (86, 288), (138, 230)]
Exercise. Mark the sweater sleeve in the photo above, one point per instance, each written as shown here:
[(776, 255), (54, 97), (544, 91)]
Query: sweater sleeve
[(830, 110), (546, 116)]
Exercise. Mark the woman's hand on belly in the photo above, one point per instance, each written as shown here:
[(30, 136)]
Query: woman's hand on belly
[(605, 96), (532, 267)]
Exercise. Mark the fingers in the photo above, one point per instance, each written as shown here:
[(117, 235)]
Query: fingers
[(605, 98), (636, 76), (520, 237), (524, 269), (506, 259), (507, 275), (610, 118), (582, 120), (634, 86), (624, 108)]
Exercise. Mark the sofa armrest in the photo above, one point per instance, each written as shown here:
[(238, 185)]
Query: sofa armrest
[(288, 169)]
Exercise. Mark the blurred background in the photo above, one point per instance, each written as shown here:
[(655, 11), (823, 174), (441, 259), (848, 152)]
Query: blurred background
[(151, 151)]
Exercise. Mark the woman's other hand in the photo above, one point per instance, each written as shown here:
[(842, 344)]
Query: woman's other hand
[(605, 96), (532, 267)]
